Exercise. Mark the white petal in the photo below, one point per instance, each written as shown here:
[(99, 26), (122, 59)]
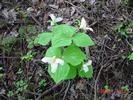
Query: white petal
[(85, 68), (59, 61), (52, 17), (59, 19), (88, 28), (30, 9), (83, 24), (54, 67), (89, 62), (52, 23), (47, 60)]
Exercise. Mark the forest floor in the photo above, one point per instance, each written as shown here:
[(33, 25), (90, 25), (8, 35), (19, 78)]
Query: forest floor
[(24, 77)]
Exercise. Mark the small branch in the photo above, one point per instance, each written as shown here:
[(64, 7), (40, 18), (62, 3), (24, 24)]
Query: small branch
[(36, 20), (78, 11), (95, 85), (66, 90), (47, 91), (87, 51)]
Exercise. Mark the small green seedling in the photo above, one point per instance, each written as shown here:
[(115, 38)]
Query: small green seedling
[(125, 2), (42, 83), (29, 56), (125, 88), (21, 86), (65, 58), (10, 93), (106, 87), (20, 71), (125, 29)]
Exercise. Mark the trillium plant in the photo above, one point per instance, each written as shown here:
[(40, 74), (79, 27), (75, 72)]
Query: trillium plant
[(65, 56)]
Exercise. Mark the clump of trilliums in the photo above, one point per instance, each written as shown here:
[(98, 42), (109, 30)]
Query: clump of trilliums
[(65, 58)]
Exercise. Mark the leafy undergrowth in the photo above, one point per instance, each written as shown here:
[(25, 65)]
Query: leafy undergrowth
[(23, 76)]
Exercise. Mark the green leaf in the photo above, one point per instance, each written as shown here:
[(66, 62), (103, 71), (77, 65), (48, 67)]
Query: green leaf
[(73, 55), (132, 48), (126, 88), (6, 41), (88, 74), (31, 29), (53, 52), (30, 45), (130, 57), (42, 83), (22, 30), (64, 29), (36, 41), (106, 87), (82, 40), (72, 73), (44, 38), (61, 72), (60, 40)]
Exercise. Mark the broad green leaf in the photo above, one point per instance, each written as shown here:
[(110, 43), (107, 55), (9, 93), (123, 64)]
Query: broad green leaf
[(130, 57), (72, 73), (44, 38), (88, 74), (61, 72), (64, 29), (60, 40), (53, 52), (73, 55), (82, 40)]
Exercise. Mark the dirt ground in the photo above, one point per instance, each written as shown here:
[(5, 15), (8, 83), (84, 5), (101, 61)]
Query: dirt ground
[(112, 69)]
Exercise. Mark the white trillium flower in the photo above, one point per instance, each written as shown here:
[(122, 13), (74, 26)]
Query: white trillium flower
[(54, 19), (53, 61), (84, 26), (85, 66)]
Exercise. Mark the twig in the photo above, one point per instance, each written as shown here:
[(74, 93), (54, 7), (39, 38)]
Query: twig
[(95, 85), (4, 97), (84, 95), (66, 90), (129, 43), (77, 9), (87, 51), (10, 57), (36, 20), (45, 92)]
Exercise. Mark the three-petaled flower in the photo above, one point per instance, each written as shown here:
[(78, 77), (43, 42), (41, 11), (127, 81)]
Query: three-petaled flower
[(85, 66), (84, 26), (53, 61), (54, 19)]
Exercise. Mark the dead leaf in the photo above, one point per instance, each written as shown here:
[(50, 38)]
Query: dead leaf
[(10, 14)]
